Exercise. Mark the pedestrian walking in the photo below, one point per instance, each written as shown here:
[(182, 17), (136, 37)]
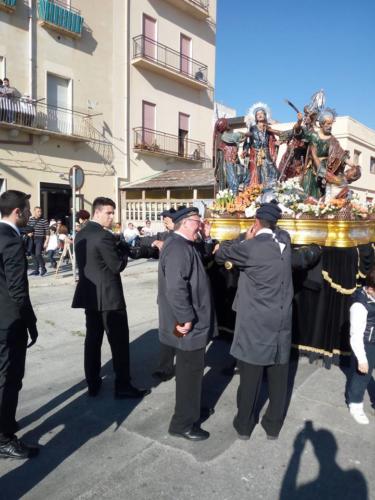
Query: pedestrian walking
[(40, 237)]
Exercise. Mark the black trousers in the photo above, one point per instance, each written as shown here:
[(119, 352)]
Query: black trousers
[(166, 358), (38, 260), (359, 381), (115, 324), (248, 393), (13, 344), (189, 375)]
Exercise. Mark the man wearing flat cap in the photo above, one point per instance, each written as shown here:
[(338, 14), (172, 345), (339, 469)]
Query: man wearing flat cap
[(263, 303), (186, 319)]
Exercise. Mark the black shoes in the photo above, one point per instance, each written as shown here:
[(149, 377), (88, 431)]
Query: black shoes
[(94, 389), (43, 272), (162, 376), (130, 392), (193, 434), (17, 449), (34, 273)]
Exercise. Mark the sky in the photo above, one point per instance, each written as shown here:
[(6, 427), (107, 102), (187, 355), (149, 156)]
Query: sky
[(271, 50)]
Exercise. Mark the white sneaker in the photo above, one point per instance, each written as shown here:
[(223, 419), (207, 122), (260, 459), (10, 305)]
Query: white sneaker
[(357, 412)]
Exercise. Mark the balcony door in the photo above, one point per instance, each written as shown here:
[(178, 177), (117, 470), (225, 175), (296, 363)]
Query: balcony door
[(59, 114), (149, 37), (185, 55), (183, 132), (148, 122)]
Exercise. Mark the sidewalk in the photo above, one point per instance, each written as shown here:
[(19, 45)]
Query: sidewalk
[(108, 449)]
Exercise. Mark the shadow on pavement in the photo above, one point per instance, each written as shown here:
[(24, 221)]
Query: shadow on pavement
[(81, 419), (332, 481)]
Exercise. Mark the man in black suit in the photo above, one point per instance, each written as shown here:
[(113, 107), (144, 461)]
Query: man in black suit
[(17, 319), (100, 260)]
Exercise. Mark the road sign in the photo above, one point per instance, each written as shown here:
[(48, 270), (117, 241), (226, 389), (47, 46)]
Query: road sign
[(79, 177)]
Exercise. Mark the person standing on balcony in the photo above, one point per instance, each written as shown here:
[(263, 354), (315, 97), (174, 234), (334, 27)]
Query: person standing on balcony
[(40, 239)]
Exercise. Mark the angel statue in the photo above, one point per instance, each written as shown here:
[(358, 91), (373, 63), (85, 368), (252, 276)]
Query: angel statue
[(260, 146)]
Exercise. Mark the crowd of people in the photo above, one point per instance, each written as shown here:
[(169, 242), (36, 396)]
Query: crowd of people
[(187, 321)]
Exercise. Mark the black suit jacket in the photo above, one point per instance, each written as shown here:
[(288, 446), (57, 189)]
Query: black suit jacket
[(15, 302), (100, 259)]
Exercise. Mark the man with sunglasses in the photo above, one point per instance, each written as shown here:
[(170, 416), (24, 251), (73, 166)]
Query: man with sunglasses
[(186, 319)]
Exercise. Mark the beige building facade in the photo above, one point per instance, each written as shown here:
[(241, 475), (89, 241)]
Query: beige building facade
[(125, 92)]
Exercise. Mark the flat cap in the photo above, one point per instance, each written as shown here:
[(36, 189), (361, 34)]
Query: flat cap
[(167, 213), (184, 213), (269, 211)]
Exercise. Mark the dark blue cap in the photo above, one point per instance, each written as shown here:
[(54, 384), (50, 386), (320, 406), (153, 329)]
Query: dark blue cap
[(269, 211), (183, 213), (167, 213)]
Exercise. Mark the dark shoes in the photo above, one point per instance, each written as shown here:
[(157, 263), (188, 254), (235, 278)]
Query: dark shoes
[(17, 449), (34, 273), (43, 272), (131, 392), (94, 389), (162, 376), (193, 434)]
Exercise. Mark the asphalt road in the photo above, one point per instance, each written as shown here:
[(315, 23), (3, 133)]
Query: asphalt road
[(108, 449)]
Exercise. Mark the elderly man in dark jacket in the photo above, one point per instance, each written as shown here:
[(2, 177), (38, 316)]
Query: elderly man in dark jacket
[(263, 303), (186, 319)]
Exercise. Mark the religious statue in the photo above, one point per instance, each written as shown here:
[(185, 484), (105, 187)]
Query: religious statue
[(228, 170), (326, 173), (260, 147)]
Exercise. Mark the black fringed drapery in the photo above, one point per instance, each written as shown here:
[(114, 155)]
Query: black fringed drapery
[(321, 301)]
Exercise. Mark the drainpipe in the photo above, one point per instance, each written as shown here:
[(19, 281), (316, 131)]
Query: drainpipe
[(31, 50)]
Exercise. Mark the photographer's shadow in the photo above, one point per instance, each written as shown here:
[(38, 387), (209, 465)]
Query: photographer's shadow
[(332, 481)]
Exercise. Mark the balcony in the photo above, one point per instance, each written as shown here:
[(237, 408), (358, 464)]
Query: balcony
[(196, 8), (8, 5), (161, 59), (160, 144), (38, 118), (58, 16)]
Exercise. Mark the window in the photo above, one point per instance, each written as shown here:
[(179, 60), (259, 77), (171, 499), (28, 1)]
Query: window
[(2, 67), (369, 199), (372, 165), (148, 122), (356, 157), (185, 55), (59, 104), (149, 34), (183, 131)]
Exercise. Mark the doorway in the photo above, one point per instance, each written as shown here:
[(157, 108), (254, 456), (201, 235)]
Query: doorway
[(55, 201)]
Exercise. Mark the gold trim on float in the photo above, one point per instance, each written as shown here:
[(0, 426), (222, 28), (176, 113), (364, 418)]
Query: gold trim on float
[(325, 232), (321, 351), (337, 287)]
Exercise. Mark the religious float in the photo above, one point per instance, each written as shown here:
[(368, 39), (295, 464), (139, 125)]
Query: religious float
[(312, 187)]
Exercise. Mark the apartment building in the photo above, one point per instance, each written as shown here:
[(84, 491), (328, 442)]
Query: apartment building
[(125, 92), (170, 84)]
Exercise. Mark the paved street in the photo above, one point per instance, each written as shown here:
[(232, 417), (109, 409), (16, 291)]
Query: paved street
[(107, 449)]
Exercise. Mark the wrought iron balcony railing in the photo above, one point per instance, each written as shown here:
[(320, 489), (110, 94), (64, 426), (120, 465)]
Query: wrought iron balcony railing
[(163, 144), (165, 57), (60, 17), (8, 5), (196, 8), (39, 118)]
